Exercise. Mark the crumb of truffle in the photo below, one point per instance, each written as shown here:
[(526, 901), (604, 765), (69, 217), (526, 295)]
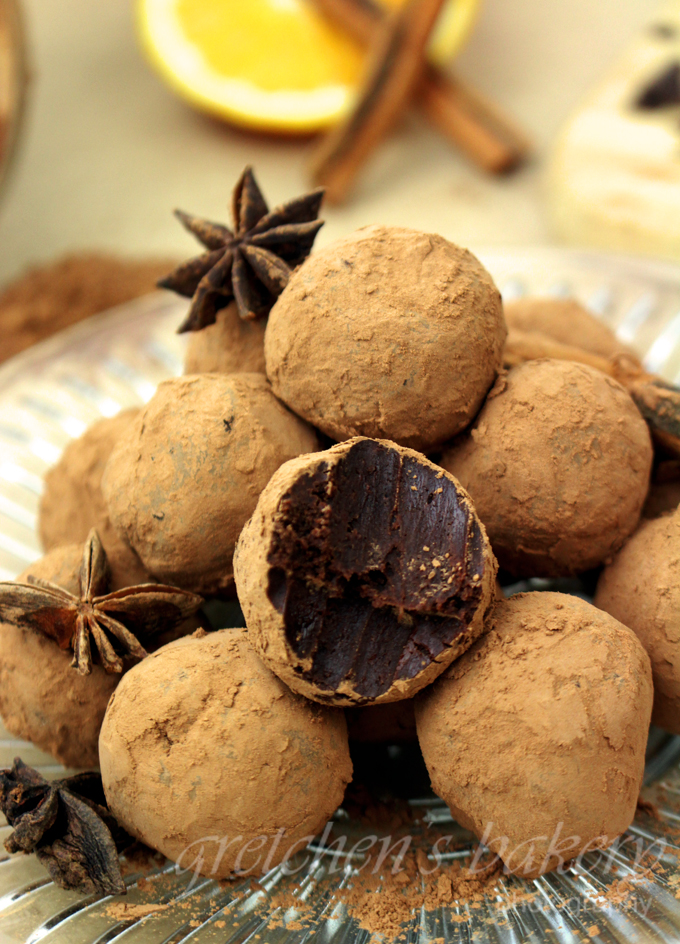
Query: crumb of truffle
[(557, 464), (641, 588), (186, 477), (537, 735), (389, 332), (232, 345), (567, 321), (363, 573), (72, 502), (202, 745), (42, 699)]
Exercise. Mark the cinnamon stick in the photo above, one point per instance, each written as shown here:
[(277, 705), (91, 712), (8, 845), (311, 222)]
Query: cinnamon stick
[(657, 400), (395, 68), (461, 114)]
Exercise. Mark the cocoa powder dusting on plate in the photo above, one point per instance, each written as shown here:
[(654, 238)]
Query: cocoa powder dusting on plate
[(50, 297)]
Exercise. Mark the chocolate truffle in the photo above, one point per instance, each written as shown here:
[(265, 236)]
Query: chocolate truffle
[(566, 321), (391, 333), (363, 573), (187, 476), (557, 464), (207, 756), (43, 699), (641, 588), (232, 345), (72, 502), (538, 733)]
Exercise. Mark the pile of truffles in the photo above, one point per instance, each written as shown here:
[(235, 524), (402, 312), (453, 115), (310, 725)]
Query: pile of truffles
[(349, 454)]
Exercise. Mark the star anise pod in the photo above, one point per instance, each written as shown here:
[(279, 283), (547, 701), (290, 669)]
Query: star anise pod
[(252, 264), (67, 825), (71, 620)]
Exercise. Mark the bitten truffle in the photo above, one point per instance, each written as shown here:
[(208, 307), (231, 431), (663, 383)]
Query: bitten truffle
[(390, 333), (42, 699), (641, 588), (536, 737), (72, 502), (566, 321), (363, 573), (207, 756), (557, 464), (232, 345), (187, 476)]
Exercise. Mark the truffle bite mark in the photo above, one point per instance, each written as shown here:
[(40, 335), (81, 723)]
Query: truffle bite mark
[(376, 566)]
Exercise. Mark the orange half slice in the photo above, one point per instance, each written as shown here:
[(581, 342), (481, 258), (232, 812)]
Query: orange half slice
[(273, 65)]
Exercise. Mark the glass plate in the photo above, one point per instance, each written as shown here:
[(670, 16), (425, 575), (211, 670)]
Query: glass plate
[(51, 394)]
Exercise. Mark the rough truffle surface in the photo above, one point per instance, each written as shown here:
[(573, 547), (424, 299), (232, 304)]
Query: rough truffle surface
[(363, 573), (390, 333), (43, 699), (232, 345), (564, 320), (72, 502), (557, 464), (540, 730), (641, 588), (202, 741), (183, 482)]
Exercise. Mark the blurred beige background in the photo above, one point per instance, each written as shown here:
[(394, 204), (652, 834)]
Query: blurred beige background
[(108, 151)]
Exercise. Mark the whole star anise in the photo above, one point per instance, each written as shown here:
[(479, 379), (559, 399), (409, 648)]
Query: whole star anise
[(71, 620), (251, 265), (68, 826)]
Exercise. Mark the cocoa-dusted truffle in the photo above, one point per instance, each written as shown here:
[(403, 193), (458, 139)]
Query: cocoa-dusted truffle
[(641, 588), (42, 698), (538, 733), (186, 477), (564, 320), (557, 464), (232, 345), (206, 756), (363, 573), (391, 333), (72, 502)]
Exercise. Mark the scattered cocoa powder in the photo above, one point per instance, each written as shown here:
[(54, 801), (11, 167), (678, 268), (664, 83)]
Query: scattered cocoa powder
[(384, 903), (122, 911), (50, 297)]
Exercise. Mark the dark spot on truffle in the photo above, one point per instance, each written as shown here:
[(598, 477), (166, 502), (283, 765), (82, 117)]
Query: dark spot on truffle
[(663, 91), (376, 566), (227, 423), (158, 515)]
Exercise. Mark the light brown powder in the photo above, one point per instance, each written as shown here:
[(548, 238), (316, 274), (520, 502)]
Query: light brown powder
[(50, 297)]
